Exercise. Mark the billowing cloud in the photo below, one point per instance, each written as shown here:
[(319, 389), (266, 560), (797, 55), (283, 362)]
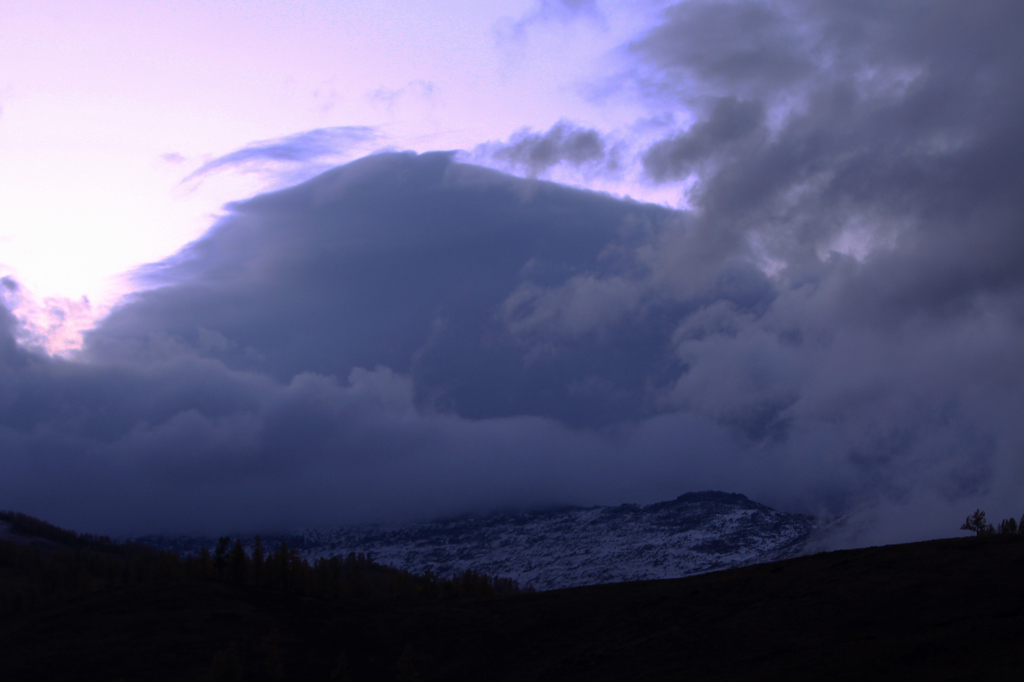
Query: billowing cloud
[(831, 126), (564, 143), (729, 123), (408, 262), (870, 160), (52, 325), (834, 324)]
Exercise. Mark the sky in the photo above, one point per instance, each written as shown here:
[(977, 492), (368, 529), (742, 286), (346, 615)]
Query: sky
[(141, 112), (277, 265)]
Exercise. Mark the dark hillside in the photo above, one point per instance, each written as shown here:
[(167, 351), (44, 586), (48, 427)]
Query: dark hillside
[(940, 610)]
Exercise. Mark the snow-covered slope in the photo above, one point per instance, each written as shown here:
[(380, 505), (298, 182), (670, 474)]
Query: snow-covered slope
[(695, 533), (565, 547)]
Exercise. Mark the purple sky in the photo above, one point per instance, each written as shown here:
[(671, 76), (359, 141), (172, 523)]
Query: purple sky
[(636, 249), (108, 109)]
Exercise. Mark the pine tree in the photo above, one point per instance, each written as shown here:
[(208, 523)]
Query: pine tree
[(239, 563), (976, 522), (204, 563), (279, 566), (220, 556), (258, 558), (1008, 526)]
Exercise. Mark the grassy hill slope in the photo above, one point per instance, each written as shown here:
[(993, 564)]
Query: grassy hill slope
[(940, 610)]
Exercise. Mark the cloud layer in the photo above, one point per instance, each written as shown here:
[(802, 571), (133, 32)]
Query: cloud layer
[(834, 324), (305, 147)]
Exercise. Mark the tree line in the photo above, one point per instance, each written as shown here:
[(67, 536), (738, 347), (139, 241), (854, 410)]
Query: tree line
[(55, 564), (978, 524)]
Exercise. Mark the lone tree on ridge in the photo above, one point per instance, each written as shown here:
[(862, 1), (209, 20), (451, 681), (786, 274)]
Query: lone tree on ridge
[(976, 522)]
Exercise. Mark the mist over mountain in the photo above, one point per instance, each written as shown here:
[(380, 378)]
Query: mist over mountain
[(832, 323)]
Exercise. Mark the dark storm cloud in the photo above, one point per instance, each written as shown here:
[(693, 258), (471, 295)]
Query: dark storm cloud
[(729, 122), (188, 444), (745, 47), (407, 336), (863, 128), (400, 337), (299, 148), (836, 324), (332, 352), (414, 263), (870, 154), (564, 143)]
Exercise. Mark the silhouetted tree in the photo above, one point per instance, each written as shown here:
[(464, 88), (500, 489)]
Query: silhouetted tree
[(279, 567), (239, 563), (1008, 526), (258, 557), (204, 563), (976, 522), (220, 556)]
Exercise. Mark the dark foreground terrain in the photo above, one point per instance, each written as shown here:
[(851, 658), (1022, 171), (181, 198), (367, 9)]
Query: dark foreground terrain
[(941, 610)]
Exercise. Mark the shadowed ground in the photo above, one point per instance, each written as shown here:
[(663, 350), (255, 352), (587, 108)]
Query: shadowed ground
[(940, 610)]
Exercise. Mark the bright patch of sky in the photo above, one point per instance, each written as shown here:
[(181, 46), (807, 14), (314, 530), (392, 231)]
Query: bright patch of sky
[(107, 106)]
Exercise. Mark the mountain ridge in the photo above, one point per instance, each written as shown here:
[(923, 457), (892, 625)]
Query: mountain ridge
[(568, 546)]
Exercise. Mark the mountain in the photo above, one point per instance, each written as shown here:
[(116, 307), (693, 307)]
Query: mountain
[(572, 546), (939, 610)]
